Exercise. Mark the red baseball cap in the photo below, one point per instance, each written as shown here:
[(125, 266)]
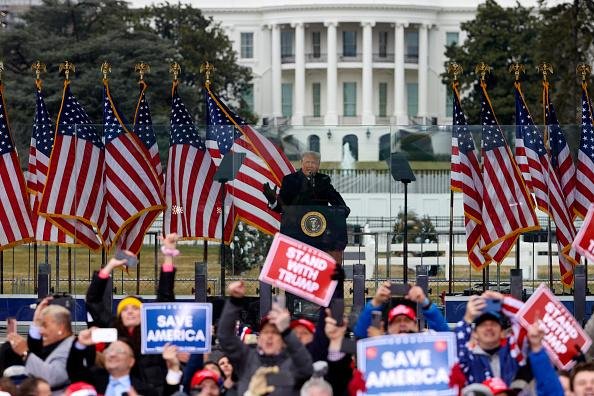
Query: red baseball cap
[(496, 385), (80, 389), (200, 376), (305, 323), (402, 309)]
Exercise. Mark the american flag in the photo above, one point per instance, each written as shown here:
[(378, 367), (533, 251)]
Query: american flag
[(264, 163), (143, 128), (15, 213), (132, 187), (508, 209), (466, 178), (133, 237), (42, 142), (191, 192), (560, 155), (545, 186), (584, 189), (74, 186)]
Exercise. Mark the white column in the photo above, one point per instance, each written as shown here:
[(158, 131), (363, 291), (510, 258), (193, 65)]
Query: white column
[(423, 69), (276, 72), (331, 117), (299, 108), (368, 117), (400, 106)]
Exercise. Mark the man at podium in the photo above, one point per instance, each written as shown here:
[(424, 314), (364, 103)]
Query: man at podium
[(312, 210), (306, 187)]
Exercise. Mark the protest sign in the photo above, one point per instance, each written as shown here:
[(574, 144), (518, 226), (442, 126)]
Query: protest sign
[(407, 364), (584, 240), (300, 269), (185, 325), (563, 334)]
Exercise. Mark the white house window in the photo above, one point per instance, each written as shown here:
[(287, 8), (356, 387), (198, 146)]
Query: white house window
[(247, 45)]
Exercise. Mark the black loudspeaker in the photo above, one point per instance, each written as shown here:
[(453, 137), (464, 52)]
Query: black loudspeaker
[(43, 280), (200, 282)]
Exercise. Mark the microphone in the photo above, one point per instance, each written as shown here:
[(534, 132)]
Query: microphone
[(313, 179)]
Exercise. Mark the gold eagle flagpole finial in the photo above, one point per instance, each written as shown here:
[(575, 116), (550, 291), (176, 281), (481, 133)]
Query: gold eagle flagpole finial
[(67, 67), (38, 67), (482, 69), (142, 68), (175, 69), (454, 69), (516, 69), (207, 69), (546, 69), (105, 69), (584, 70)]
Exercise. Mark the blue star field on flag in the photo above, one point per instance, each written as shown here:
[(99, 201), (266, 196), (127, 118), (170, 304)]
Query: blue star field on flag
[(144, 124), (557, 139), (74, 119), (43, 132), (532, 138), (113, 128), (587, 140), (492, 137), (183, 130), (219, 128), (6, 145), (465, 142)]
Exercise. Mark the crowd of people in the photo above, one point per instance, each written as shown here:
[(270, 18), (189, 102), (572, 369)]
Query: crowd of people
[(285, 355)]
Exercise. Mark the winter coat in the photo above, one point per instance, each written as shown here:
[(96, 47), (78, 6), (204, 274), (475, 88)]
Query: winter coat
[(294, 360)]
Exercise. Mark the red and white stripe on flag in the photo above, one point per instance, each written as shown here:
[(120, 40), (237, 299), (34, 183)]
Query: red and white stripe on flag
[(531, 151), (15, 213), (132, 187), (191, 193), (508, 209), (74, 186)]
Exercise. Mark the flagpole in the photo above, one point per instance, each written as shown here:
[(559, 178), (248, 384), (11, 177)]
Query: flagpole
[(546, 69), (585, 70), (451, 245), (207, 68), (454, 69), (517, 68)]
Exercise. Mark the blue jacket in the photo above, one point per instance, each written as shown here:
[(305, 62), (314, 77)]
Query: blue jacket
[(547, 380), (435, 320)]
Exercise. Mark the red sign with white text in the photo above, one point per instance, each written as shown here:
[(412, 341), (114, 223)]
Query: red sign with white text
[(564, 336), (584, 240), (299, 269)]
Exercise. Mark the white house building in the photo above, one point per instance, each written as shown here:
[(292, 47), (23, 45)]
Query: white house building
[(336, 72)]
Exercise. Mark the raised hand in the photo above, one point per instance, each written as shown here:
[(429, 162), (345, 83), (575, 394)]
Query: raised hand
[(382, 295), (269, 193), (236, 289), (474, 308)]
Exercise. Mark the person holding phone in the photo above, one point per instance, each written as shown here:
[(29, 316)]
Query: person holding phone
[(403, 317), (277, 346), (45, 352), (150, 368), (492, 354)]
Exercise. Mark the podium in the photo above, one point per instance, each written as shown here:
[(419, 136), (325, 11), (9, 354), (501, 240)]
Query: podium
[(323, 227)]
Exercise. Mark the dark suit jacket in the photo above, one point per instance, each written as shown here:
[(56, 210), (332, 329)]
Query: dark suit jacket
[(296, 189), (81, 367)]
